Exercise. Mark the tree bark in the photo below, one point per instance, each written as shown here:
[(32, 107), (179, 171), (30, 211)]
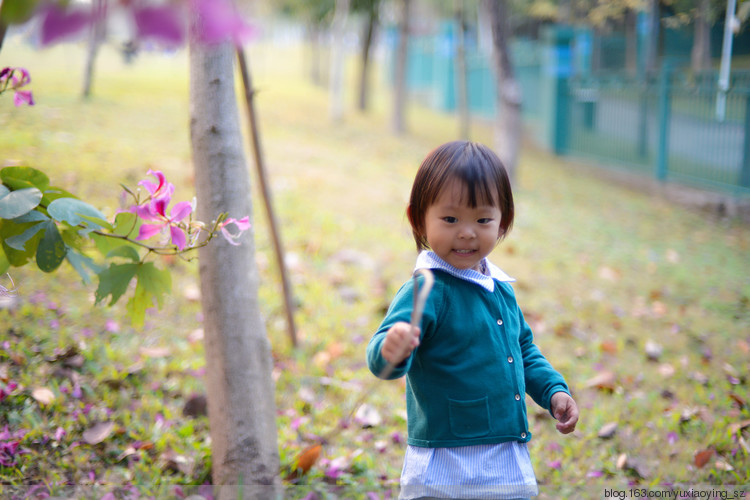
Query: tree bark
[(96, 36), (399, 84), (336, 87), (631, 42), (508, 126), (369, 34), (462, 92), (240, 390), (700, 56)]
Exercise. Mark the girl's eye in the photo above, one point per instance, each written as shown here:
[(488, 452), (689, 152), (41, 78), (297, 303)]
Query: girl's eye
[(450, 220), (484, 221)]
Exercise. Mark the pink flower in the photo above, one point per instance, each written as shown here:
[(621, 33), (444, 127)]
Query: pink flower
[(59, 434), (59, 22), (242, 225), (163, 189), (22, 97), (176, 214), (156, 210), (219, 22), (15, 78), (161, 23)]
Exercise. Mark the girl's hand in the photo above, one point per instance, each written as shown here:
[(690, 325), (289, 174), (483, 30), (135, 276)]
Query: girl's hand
[(399, 342), (565, 410)]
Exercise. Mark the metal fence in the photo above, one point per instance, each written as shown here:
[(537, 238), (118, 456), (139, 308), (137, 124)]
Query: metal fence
[(665, 126)]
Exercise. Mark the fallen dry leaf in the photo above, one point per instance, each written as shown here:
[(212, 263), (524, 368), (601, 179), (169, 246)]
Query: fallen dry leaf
[(155, 352), (608, 431), (738, 399), (305, 461), (653, 350), (98, 433), (737, 427), (608, 346), (702, 457), (604, 381), (368, 416), (43, 396), (666, 370), (722, 465)]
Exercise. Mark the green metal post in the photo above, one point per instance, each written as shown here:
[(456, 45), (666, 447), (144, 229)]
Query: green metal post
[(556, 72), (662, 155), (745, 169)]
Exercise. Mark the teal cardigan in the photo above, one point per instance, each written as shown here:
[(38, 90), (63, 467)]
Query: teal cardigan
[(466, 382)]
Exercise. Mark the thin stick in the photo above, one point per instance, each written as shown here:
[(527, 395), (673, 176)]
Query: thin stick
[(420, 298), (266, 192), (417, 309)]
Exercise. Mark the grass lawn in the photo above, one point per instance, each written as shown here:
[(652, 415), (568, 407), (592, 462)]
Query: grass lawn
[(642, 305)]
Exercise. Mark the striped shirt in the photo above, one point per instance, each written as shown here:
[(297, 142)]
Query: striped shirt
[(489, 471)]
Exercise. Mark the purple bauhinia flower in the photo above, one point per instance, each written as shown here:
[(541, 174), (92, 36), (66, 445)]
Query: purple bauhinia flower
[(242, 225)]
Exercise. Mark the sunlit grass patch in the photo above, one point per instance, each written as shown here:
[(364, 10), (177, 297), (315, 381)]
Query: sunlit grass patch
[(643, 306)]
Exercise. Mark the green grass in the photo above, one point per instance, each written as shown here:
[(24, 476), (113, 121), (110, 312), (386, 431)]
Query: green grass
[(601, 270)]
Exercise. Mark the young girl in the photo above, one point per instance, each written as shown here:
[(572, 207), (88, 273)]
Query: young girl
[(472, 360)]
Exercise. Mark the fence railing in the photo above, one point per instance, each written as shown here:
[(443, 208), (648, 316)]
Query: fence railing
[(665, 126)]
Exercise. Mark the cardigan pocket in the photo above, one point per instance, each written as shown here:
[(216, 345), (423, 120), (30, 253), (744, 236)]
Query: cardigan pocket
[(469, 419)]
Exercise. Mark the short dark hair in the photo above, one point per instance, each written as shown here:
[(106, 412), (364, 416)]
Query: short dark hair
[(477, 167)]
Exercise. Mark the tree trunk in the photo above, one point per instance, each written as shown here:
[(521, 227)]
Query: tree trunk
[(652, 40), (315, 58), (336, 84), (240, 390), (700, 56), (3, 31), (462, 92), (399, 84), (631, 42), (96, 36), (508, 126), (364, 76)]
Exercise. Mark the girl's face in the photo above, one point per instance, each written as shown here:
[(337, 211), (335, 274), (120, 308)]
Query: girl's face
[(461, 235)]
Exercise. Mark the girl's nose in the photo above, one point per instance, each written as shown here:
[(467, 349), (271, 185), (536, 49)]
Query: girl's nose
[(466, 232)]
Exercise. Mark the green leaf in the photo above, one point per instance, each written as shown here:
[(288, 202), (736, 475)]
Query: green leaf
[(80, 263), (153, 283), (17, 203), (17, 11), (28, 177), (72, 210), (18, 242), (4, 263), (114, 281), (74, 240), (33, 216), (157, 282), (126, 224), (97, 221), (53, 193), (51, 250), (127, 251), (9, 229)]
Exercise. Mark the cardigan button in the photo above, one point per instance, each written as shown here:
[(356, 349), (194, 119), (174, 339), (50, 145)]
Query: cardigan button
[(518, 397), (523, 435), (510, 359), (500, 322)]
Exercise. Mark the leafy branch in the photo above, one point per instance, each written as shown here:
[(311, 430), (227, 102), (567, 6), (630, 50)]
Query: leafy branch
[(48, 225)]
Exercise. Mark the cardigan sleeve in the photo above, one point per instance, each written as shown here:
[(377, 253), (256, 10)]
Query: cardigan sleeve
[(542, 380), (400, 310)]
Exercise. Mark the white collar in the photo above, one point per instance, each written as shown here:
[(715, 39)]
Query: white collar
[(428, 259)]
